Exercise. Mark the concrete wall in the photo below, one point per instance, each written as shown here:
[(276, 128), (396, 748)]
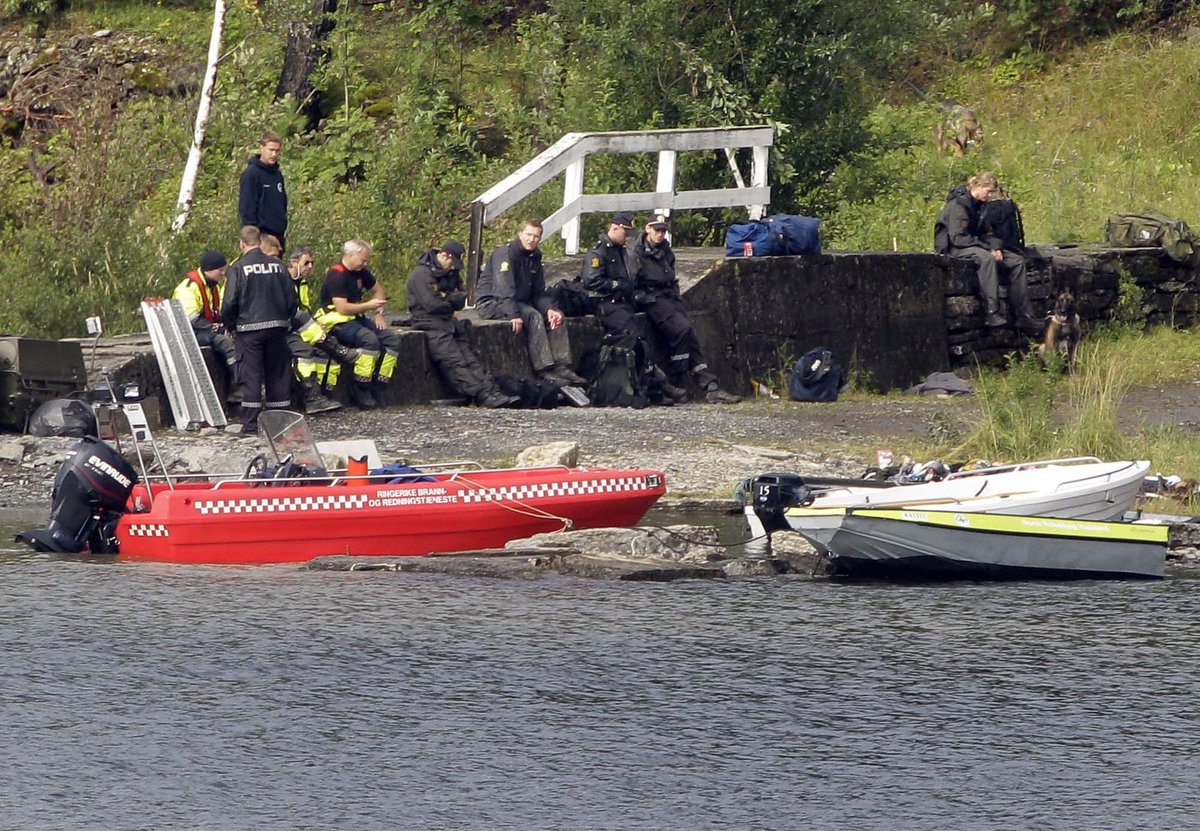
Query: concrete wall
[(890, 318)]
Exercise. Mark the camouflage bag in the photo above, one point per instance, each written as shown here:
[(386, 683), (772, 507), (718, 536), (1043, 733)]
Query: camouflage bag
[(1154, 230)]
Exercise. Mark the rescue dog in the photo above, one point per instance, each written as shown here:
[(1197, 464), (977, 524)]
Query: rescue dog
[(959, 130), (1063, 333)]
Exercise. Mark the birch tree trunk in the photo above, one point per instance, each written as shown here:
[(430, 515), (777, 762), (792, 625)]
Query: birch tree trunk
[(187, 186)]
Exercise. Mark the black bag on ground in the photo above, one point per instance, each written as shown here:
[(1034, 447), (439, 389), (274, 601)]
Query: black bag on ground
[(541, 394), (815, 377), (618, 372), (571, 298)]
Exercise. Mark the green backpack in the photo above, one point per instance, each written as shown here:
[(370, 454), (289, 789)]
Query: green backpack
[(1154, 230)]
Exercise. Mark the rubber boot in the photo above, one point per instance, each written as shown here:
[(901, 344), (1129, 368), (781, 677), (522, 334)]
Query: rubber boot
[(314, 400), (360, 394), (334, 349)]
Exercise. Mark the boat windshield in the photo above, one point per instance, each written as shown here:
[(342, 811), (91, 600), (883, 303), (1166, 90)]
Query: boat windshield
[(288, 436)]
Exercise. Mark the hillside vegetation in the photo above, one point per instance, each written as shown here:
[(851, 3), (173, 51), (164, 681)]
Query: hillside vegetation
[(416, 108)]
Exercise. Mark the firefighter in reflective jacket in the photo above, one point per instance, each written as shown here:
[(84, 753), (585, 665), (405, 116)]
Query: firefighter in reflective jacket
[(200, 296), (316, 358), (343, 313)]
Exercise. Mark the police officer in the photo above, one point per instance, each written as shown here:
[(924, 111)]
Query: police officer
[(435, 294), (657, 294), (610, 273), (258, 306), (512, 287), (200, 296)]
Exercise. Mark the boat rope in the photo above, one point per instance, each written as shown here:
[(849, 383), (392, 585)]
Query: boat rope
[(520, 507), (691, 541)]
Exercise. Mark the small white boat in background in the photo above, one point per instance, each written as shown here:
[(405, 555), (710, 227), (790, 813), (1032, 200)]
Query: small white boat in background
[(1084, 488), (920, 544)]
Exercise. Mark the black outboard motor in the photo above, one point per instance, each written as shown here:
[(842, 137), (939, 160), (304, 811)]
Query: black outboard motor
[(771, 494), (89, 495)]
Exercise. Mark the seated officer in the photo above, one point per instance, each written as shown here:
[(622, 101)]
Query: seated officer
[(512, 287), (435, 295), (657, 294), (200, 296), (959, 233)]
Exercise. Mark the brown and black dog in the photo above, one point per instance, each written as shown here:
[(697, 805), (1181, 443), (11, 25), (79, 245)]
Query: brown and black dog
[(1063, 332)]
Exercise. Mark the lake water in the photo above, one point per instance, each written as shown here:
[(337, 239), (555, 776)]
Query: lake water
[(140, 696)]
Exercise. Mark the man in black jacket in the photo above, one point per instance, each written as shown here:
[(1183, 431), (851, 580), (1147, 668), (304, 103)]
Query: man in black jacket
[(657, 294), (959, 233), (512, 286), (609, 274), (262, 198), (258, 306), (435, 294)]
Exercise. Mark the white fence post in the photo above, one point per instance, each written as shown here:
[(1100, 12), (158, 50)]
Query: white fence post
[(572, 190), (758, 178), (667, 164)]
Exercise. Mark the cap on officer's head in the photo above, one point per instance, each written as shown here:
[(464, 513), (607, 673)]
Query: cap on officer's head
[(622, 220), (212, 259), (455, 250), (659, 221)]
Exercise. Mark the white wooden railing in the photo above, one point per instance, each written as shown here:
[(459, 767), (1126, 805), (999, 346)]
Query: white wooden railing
[(568, 155)]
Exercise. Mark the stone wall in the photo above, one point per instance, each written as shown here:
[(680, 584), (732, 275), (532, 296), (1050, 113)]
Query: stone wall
[(889, 318)]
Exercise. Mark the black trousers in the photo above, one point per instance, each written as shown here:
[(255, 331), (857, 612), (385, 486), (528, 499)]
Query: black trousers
[(451, 353), (683, 347), (264, 361)]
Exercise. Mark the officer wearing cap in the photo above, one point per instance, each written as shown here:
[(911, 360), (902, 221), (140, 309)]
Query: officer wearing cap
[(657, 294), (200, 296), (609, 274), (435, 294)]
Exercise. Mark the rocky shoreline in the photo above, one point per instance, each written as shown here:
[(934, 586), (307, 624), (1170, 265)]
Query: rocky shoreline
[(704, 450)]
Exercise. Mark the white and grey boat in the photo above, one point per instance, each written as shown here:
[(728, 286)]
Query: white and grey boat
[(935, 544), (1084, 488)]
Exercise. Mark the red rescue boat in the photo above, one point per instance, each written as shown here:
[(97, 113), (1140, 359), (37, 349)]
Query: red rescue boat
[(293, 511)]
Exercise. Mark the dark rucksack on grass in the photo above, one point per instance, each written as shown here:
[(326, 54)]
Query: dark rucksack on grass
[(815, 377)]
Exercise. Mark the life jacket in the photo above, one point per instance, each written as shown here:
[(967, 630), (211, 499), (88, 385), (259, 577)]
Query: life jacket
[(210, 296)]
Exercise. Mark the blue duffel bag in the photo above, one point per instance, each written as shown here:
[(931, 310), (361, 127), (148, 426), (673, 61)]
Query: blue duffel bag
[(753, 231), (794, 234)]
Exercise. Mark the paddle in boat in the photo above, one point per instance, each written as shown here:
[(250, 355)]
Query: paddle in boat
[(911, 543), (1075, 488), (291, 509)]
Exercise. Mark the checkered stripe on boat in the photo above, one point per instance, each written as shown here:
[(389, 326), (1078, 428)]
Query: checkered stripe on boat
[(148, 529), (551, 489), (281, 504)]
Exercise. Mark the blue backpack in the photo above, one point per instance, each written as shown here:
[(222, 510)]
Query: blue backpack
[(794, 234), (753, 231), (815, 377)]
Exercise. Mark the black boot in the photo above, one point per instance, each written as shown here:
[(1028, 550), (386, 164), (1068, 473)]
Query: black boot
[(360, 394), (334, 349), (314, 400)]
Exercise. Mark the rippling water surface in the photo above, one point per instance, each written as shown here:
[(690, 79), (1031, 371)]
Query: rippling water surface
[(172, 697)]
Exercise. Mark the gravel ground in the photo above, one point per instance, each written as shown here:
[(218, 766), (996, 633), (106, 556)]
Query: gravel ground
[(703, 449)]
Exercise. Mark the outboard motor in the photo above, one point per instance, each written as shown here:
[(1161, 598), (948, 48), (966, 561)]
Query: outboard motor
[(89, 496), (771, 494)]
